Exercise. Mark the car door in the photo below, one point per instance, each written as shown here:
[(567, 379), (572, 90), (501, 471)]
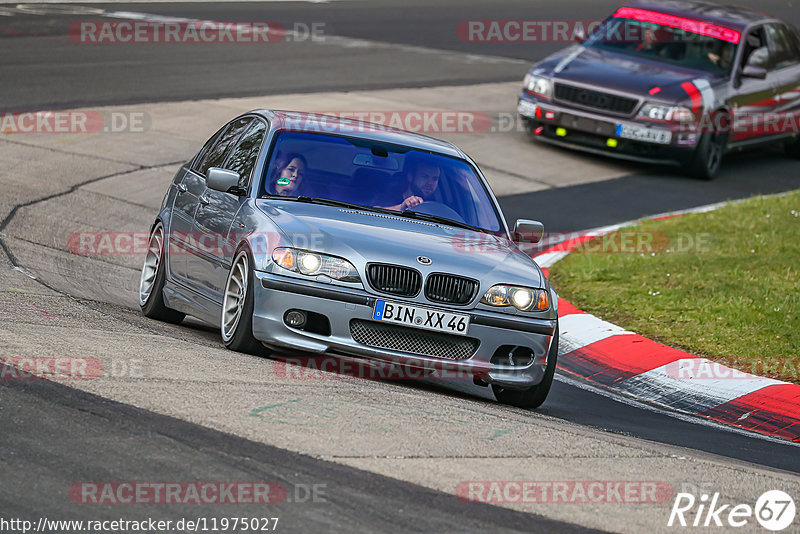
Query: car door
[(785, 51), (189, 188), (214, 216), (754, 98), (214, 157)]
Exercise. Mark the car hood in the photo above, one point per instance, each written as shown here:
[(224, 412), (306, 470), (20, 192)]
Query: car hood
[(363, 237), (620, 72)]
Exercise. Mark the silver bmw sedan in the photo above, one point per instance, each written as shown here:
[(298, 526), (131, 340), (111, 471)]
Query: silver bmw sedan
[(328, 236)]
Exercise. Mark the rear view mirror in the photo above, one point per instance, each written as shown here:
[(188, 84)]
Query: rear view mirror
[(223, 180)]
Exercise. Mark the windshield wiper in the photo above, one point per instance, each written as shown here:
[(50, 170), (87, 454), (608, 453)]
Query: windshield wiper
[(438, 219)]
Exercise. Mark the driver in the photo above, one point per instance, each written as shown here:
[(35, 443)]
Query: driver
[(422, 180), (723, 59)]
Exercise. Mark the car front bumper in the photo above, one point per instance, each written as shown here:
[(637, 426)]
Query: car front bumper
[(597, 133), (275, 295)]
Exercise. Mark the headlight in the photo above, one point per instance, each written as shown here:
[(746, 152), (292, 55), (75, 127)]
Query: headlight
[(314, 263), (522, 298), (538, 85), (660, 112)]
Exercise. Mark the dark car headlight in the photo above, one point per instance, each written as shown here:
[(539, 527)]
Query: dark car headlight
[(662, 112), (522, 298), (538, 85), (314, 264)]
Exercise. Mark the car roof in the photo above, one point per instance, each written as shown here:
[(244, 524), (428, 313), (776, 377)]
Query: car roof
[(298, 121), (734, 17)]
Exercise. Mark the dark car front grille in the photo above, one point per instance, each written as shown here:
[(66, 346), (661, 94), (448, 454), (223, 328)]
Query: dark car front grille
[(412, 340), (598, 100), (394, 280), (449, 289)]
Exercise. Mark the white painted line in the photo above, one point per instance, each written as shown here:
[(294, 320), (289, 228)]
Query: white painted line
[(581, 329)]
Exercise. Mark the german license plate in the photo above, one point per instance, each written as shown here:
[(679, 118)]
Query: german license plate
[(419, 317), (640, 133), (527, 109)]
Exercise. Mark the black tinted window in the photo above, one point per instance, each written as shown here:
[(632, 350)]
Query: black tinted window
[(244, 156), (782, 46), (215, 156), (198, 159)]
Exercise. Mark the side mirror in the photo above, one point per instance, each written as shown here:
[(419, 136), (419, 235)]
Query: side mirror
[(751, 71), (223, 180), (528, 231)]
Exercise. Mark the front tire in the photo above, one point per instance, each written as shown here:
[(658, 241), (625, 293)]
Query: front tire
[(151, 282), (707, 158), (236, 324), (535, 396)]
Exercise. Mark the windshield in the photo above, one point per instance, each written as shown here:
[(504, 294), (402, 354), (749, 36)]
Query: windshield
[(668, 39), (379, 175)]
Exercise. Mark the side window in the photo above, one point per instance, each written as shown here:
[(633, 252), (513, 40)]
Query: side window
[(215, 156), (198, 159), (244, 155), (756, 52), (782, 46)]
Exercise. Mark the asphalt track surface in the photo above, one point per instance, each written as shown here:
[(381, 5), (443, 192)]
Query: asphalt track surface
[(134, 444), (50, 72)]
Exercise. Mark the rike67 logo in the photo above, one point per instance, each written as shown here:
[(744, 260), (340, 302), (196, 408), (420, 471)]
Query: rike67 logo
[(774, 510)]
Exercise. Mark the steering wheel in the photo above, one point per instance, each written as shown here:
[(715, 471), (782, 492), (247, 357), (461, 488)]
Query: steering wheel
[(438, 209)]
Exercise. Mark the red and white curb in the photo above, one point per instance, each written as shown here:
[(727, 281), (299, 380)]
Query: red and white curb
[(623, 361)]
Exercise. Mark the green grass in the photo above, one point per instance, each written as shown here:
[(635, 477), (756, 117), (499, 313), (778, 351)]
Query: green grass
[(724, 285)]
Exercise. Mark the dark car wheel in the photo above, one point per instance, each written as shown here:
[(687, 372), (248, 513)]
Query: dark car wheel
[(707, 157), (236, 323), (151, 282), (535, 396)]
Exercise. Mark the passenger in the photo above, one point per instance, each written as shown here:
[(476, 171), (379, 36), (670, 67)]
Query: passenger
[(422, 181), (287, 178)]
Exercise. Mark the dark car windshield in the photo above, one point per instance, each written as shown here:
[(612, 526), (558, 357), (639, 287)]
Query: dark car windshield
[(378, 175), (669, 39)]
